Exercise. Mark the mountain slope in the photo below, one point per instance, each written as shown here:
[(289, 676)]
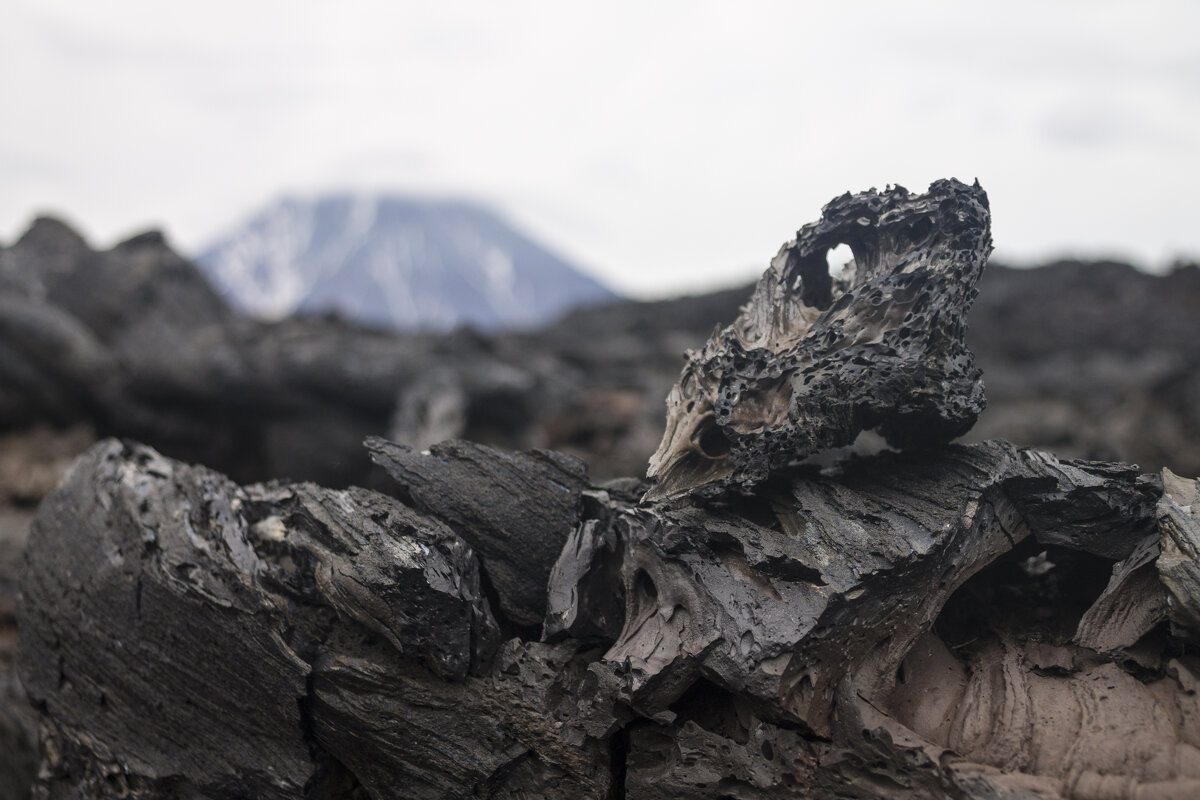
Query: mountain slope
[(396, 262)]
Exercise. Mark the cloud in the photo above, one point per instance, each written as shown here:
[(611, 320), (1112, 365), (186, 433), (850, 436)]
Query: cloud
[(1103, 125)]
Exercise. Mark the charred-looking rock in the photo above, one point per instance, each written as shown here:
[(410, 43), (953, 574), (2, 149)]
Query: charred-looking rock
[(189, 638), (814, 360), (977, 622), (514, 509)]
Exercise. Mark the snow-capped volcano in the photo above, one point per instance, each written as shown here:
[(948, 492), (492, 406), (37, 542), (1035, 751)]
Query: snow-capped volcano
[(394, 261)]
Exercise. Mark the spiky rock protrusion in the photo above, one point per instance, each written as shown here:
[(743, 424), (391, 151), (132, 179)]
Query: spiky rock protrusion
[(814, 360)]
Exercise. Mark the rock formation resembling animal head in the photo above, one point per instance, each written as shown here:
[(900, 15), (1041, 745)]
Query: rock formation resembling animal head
[(814, 360)]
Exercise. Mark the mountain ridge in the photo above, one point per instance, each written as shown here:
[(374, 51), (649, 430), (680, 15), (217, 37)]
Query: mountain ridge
[(395, 261)]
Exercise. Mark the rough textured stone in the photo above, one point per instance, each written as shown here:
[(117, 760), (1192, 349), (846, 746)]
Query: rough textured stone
[(1131, 605), (18, 719), (515, 509), (737, 756), (139, 576), (144, 574), (1179, 564), (405, 733), (31, 464), (927, 625), (584, 595), (811, 362), (779, 597)]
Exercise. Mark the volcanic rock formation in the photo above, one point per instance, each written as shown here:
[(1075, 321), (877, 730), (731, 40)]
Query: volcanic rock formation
[(811, 362), (979, 621), (960, 623)]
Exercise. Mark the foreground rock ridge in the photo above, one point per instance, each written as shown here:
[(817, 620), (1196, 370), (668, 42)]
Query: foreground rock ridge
[(950, 621), (980, 620)]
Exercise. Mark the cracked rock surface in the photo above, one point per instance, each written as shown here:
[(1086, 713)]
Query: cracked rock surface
[(517, 516), (951, 622), (142, 570)]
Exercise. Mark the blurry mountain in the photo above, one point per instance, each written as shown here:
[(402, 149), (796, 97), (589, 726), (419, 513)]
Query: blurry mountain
[(395, 262)]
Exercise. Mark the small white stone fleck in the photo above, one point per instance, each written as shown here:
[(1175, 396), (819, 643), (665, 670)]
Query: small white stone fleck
[(270, 529)]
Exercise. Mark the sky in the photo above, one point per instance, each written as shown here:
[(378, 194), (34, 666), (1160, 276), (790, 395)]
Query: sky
[(664, 146)]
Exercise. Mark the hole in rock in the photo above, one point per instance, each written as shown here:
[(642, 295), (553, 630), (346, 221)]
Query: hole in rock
[(840, 260), (712, 441), (816, 285), (643, 587), (715, 710), (1034, 591), (919, 230)]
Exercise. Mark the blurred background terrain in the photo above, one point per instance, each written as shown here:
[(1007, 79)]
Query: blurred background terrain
[(1088, 359)]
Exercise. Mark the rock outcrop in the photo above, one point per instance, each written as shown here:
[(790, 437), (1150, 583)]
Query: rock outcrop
[(978, 621), (963, 623), (1092, 360), (812, 362)]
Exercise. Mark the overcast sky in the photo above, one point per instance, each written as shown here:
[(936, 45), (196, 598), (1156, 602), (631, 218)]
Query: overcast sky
[(664, 146)]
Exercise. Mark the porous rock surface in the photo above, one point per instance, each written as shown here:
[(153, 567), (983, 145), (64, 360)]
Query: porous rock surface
[(811, 362)]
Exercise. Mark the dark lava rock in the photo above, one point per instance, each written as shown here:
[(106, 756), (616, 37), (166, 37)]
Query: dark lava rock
[(516, 510), (811, 362), (925, 620)]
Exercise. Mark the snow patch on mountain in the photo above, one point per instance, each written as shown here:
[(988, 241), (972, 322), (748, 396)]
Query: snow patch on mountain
[(394, 261)]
